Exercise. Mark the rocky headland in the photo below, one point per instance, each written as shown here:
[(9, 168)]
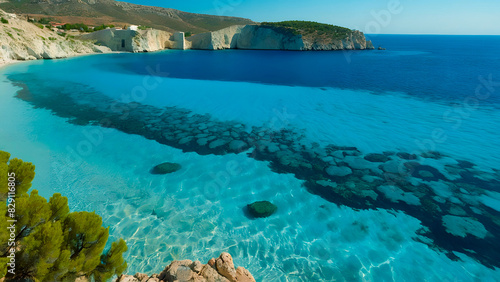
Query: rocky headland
[(269, 37), (220, 269), (249, 37)]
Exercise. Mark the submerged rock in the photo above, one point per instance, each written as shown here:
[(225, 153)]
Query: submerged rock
[(396, 194), (462, 226), (359, 163), (394, 167), (376, 158), (465, 164), (202, 141), (237, 145), (338, 171), (427, 173), (165, 168), (406, 156), (432, 155), (262, 209), (217, 143)]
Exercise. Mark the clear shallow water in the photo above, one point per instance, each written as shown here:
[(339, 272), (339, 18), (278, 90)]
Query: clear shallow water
[(309, 238)]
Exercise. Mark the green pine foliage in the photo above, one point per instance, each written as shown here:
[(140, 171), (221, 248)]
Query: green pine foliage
[(308, 27), (45, 20), (112, 263), (52, 243)]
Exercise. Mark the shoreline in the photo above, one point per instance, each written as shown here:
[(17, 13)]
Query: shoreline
[(4, 64)]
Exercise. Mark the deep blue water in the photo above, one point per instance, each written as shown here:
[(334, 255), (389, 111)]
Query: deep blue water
[(427, 66)]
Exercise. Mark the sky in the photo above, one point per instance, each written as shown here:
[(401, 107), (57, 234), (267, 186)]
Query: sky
[(369, 16)]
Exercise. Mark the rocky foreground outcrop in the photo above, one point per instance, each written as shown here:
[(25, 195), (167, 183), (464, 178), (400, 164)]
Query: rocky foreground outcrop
[(21, 40), (220, 270), (261, 37)]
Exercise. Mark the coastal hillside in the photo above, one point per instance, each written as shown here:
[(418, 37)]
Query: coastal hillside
[(21, 40), (98, 12), (303, 36)]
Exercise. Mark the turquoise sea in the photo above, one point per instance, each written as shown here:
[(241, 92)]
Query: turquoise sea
[(384, 164)]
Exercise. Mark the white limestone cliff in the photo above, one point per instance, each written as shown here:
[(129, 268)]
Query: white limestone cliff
[(21, 40), (151, 40), (132, 40)]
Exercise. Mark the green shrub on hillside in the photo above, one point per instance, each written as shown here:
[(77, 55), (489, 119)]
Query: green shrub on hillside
[(78, 26), (103, 26), (307, 27), (45, 20), (39, 25), (49, 242), (4, 20)]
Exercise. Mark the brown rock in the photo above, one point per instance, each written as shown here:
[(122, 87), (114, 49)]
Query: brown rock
[(178, 270), (127, 278), (225, 266), (211, 262), (243, 275), (198, 278), (211, 274), (196, 266), (141, 277)]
